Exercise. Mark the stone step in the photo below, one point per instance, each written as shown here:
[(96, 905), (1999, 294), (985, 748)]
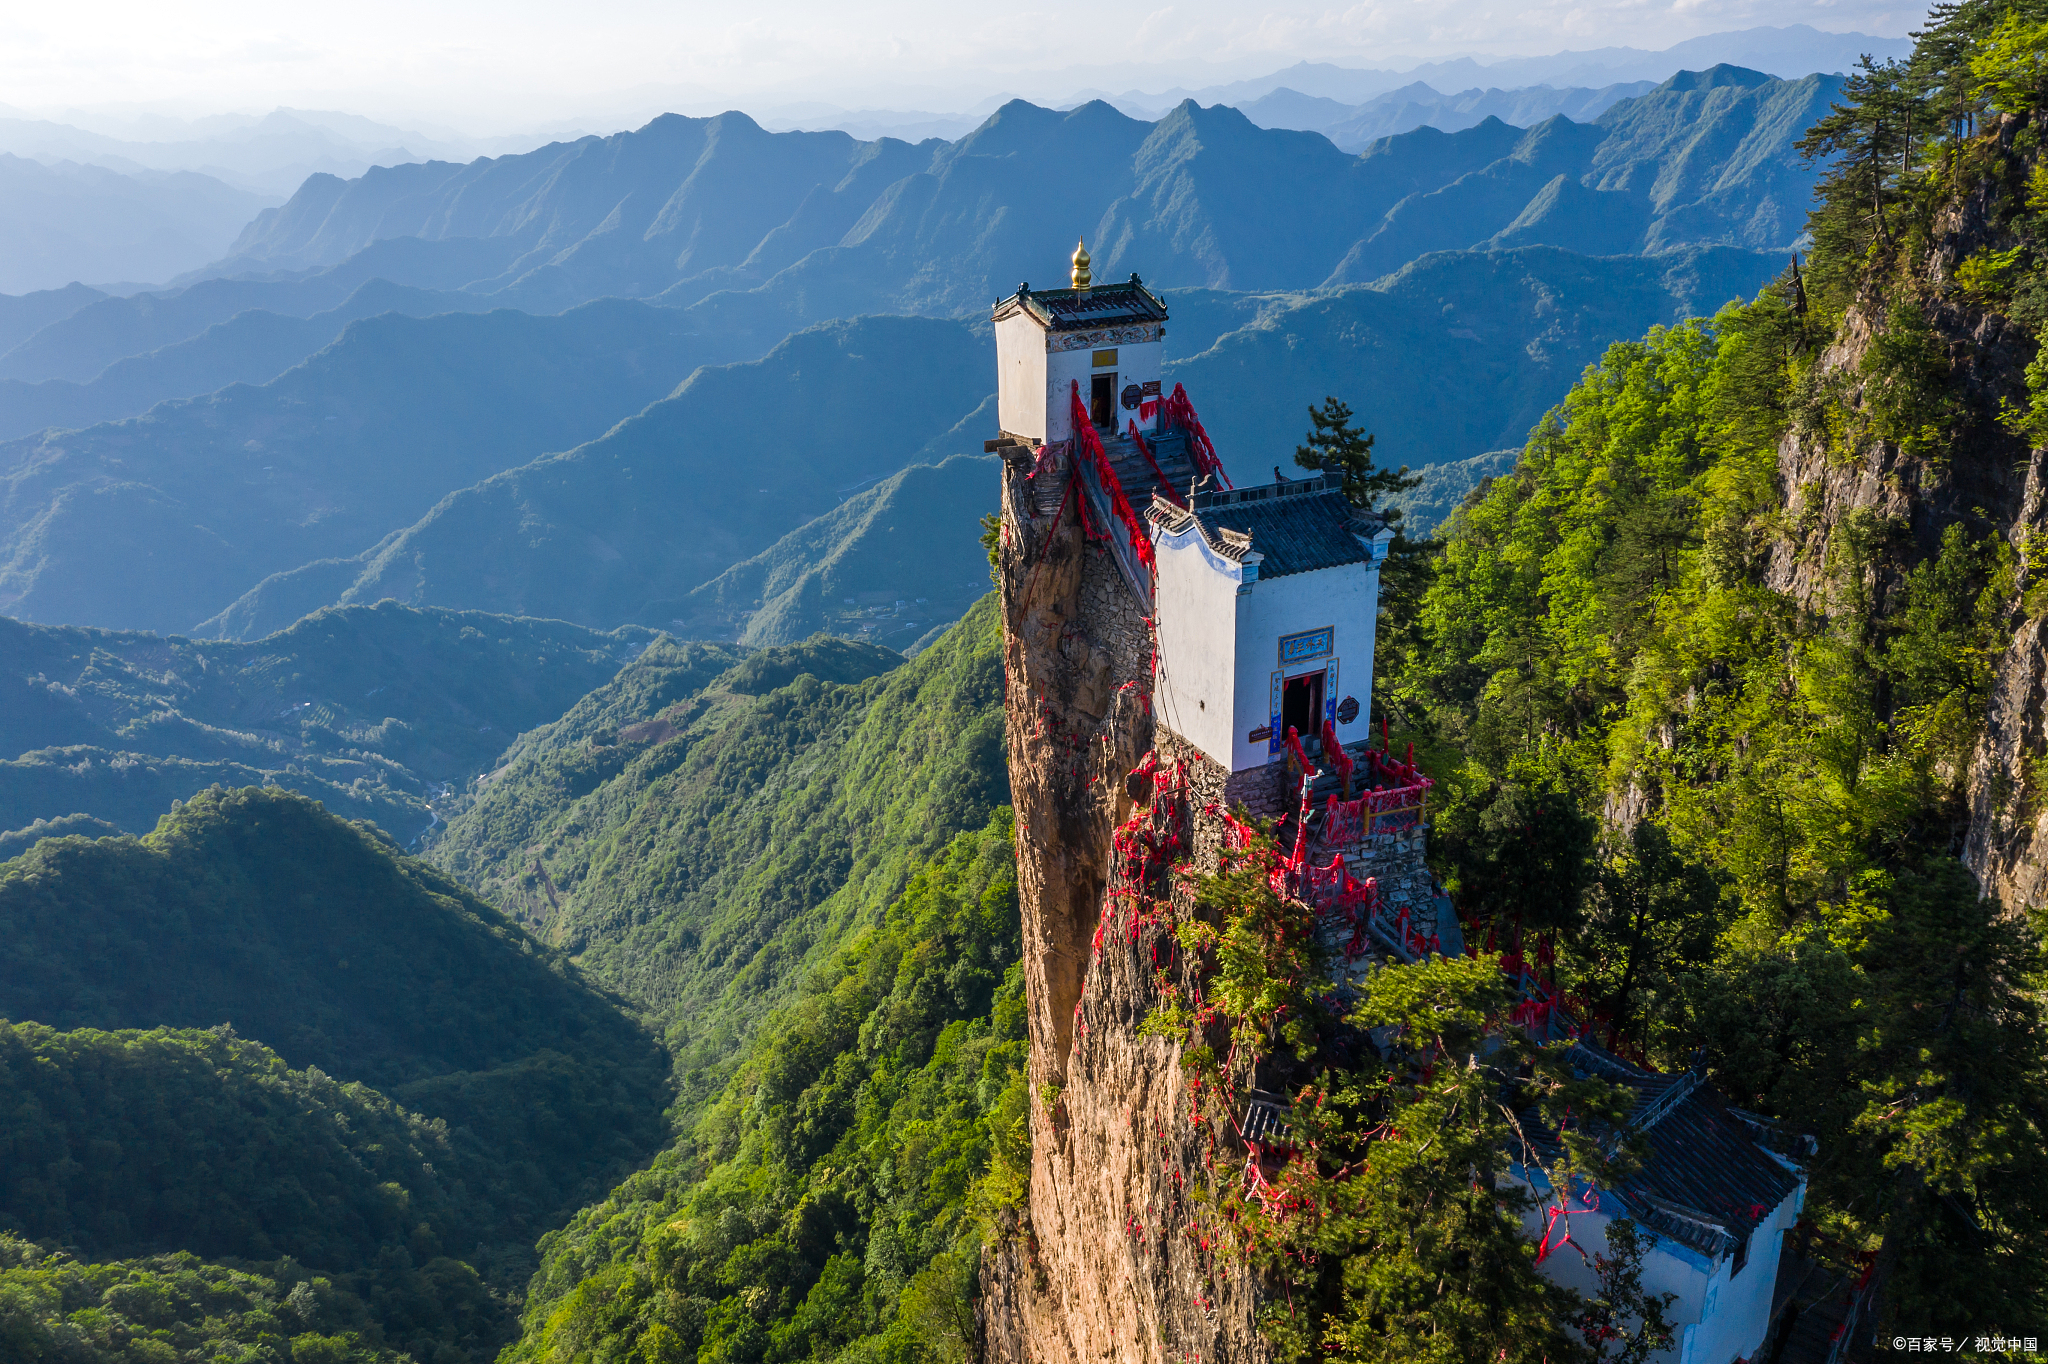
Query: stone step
[(1136, 474)]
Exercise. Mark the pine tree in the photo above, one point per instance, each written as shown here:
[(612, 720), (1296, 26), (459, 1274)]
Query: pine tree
[(1334, 446), (1868, 139)]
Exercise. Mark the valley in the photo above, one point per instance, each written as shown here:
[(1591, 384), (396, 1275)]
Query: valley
[(587, 776)]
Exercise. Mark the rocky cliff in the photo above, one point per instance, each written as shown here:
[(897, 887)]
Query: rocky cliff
[(1120, 1253), (1890, 499), (1104, 1263)]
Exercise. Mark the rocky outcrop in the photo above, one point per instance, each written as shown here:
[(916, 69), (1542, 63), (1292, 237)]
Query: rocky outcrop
[(1104, 1263), (1981, 475)]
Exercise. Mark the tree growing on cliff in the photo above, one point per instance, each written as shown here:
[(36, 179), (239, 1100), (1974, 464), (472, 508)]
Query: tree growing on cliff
[(1393, 1229), (1335, 447), (1338, 449), (1410, 1215)]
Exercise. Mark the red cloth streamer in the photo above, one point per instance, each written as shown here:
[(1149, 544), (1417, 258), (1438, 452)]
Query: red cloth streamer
[(1145, 449), (1333, 752), (1181, 412), (1086, 441)]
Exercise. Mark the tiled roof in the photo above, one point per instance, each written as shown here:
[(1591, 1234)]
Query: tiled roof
[(1706, 1182), (1106, 305), (1296, 527)]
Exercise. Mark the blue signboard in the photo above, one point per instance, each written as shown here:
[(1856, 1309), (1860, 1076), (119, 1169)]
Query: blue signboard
[(1308, 646)]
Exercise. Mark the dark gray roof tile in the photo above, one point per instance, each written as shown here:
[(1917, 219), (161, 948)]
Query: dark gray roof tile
[(1296, 527), (1106, 305)]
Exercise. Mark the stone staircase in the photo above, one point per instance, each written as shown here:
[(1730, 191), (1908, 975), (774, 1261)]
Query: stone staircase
[(1139, 482)]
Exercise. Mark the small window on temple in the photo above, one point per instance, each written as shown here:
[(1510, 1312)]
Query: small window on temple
[(1105, 359), (1741, 1256), (1102, 399)]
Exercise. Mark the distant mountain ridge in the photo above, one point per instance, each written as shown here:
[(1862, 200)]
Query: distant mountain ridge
[(683, 207), (618, 530), (378, 711), (64, 223), (160, 522), (1353, 127), (1789, 52)]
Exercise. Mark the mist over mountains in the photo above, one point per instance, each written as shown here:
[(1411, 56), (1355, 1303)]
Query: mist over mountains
[(67, 222), (1203, 197), (514, 631)]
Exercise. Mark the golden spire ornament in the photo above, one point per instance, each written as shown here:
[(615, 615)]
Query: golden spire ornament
[(1081, 264)]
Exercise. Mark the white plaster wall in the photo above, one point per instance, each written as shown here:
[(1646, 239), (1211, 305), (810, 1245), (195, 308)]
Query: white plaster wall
[(1140, 365), (1020, 376), (1063, 368), (1346, 598), (1721, 1317), (1738, 1307), (1195, 591)]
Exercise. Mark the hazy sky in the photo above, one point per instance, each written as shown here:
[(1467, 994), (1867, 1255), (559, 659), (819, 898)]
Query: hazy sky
[(488, 66)]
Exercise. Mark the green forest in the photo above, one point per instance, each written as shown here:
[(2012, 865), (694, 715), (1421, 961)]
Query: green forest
[(1777, 691), (697, 1036)]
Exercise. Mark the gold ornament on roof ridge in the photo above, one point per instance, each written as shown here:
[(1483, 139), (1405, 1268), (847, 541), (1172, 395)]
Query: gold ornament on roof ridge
[(1081, 264)]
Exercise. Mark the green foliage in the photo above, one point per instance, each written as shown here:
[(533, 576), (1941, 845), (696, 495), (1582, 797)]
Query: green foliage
[(880, 567), (1393, 1230), (1418, 1236), (835, 1193), (1653, 918), (1906, 391), (1626, 1323), (170, 1309), (1334, 446), (703, 866), (1605, 622), (2011, 66), (369, 709), (257, 908), (125, 1144)]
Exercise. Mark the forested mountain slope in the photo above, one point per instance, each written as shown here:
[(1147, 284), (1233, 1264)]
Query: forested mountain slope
[(623, 527), (696, 845), (55, 1307), (160, 522), (809, 881), (1457, 354), (885, 565), (252, 347), (257, 909), (832, 1202), (1705, 157), (1454, 356), (372, 710), (80, 338), (23, 315), (1733, 685)]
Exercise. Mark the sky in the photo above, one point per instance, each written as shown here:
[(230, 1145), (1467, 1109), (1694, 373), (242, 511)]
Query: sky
[(490, 67)]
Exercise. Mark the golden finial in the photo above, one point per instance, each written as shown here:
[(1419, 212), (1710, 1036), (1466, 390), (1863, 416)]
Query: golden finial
[(1081, 264)]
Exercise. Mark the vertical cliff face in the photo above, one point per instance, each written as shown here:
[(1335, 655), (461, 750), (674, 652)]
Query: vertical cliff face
[(1104, 1263), (1979, 474)]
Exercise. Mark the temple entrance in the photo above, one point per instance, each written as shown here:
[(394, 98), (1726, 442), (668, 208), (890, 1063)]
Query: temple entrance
[(1301, 706), (1102, 400)]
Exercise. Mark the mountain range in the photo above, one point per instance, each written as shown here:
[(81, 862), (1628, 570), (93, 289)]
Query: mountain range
[(67, 222), (269, 154), (1790, 52), (176, 514), (414, 458), (1354, 127), (381, 712), (824, 225)]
